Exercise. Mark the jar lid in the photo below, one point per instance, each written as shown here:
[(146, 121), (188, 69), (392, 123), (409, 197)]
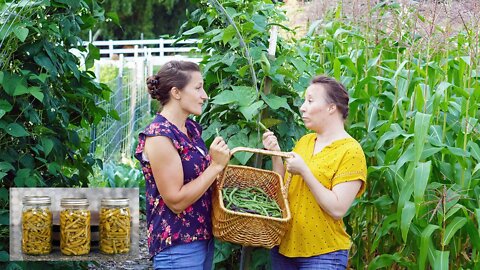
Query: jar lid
[(115, 201), (69, 202), (37, 200)]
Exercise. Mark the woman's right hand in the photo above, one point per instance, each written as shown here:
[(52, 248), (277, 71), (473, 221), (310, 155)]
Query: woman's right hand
[(219, 152), (270, 141)]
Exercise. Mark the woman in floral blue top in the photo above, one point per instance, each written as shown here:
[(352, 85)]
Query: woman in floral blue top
[(179, 171)]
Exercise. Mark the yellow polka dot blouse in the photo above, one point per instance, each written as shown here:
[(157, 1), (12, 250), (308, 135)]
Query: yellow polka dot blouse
[(313, 231)]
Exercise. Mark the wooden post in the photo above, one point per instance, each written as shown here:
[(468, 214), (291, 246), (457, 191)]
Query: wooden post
[(246, 253)]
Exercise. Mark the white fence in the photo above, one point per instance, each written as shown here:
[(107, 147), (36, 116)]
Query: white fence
[(157, 51)]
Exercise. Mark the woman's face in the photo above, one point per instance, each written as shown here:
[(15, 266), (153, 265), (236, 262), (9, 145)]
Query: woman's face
[(315, 110), (193, 95)]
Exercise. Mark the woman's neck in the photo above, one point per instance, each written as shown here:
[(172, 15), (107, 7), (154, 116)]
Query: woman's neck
[(174, 116), (334, 132)]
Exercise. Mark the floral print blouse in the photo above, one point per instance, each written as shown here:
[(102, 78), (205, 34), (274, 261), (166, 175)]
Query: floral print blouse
[(165, 228)]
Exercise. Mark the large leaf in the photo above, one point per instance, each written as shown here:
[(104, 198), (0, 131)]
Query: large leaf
[(440, 260), (422, 124), (195, 30), (422, 174), (16, 130), (21, 33), (22, 176), (251, 111), (228, 34), (384, 260), (425, 244), (455, 225), (408, 212), (244, 95), (276, 102), (225, 97)]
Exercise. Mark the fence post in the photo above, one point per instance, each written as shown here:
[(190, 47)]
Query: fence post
[(110, 49), (135, 52), (133, 104), (119, 107), (161, 46), (93, 130)]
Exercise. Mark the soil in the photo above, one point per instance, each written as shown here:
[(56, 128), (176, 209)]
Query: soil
[(142, 263)]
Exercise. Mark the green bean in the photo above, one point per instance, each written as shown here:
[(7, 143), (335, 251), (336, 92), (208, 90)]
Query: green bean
[(250, 200)]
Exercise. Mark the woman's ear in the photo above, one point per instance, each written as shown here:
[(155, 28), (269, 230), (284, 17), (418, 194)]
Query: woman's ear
[(175, 92)]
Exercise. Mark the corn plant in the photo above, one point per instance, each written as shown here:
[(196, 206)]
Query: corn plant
[(414, 109)]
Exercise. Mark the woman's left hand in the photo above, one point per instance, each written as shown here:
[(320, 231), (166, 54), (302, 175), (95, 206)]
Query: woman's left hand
[(295, 164)]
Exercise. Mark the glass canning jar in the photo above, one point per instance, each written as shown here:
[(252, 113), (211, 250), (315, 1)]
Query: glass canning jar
[(115, 225), (74, 226), (36, 225)]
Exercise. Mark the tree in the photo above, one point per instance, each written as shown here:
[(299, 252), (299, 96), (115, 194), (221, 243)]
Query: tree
[(143, 18)]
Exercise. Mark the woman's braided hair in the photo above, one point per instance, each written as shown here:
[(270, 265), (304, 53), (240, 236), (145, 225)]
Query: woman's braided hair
[(171, 74)]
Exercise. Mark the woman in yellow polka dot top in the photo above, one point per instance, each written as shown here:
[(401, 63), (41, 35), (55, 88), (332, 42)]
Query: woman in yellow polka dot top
[(328, 170)]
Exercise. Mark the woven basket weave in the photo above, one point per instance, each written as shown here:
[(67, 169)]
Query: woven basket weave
[(244, 228)]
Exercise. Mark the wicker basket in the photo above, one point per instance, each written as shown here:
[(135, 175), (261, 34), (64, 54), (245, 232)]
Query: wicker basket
[(244, 228)]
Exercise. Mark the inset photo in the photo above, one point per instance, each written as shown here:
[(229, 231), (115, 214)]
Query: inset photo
[(65, 224)]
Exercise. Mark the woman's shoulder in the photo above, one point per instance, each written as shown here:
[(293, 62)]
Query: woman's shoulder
[(159, 126), (351, 146)]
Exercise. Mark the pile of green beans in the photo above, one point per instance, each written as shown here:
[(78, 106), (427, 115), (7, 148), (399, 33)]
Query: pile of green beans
[(251, 200)]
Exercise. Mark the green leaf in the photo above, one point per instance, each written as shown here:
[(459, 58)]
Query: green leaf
[(11, 82), (422, 124), (47, 145), (425, 240), (21, 177), (275, 102), (4, 194), (196, 30), (299, 64), (228, 34), (225, 97), (408, 212), (114, 17), (4, 257), (2, 113), (5, 166), (20, 90), (53, 168), (16, 130), (422, 174), (440, 260), (251, 111), (456, 224), (93, 54), (473, 233), (244, 95), (474, 150), (37, 93), (114, 115), (44, 61), (384, 260), (21, 33)]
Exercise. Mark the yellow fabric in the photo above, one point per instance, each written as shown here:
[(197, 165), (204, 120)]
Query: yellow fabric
[(312, 231)]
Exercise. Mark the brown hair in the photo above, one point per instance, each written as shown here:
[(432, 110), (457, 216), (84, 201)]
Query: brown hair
[(336, 93), (171, 74)]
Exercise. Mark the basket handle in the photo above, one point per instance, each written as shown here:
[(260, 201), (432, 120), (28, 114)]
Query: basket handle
[(263, 152), (260, 151)]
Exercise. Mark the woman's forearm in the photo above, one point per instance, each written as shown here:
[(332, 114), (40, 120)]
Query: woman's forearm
[(277, 165), (191, 192)]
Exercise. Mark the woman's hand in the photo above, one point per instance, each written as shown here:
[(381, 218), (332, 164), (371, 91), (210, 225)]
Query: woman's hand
[(270, 141), (295, 164), (219, 152)]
